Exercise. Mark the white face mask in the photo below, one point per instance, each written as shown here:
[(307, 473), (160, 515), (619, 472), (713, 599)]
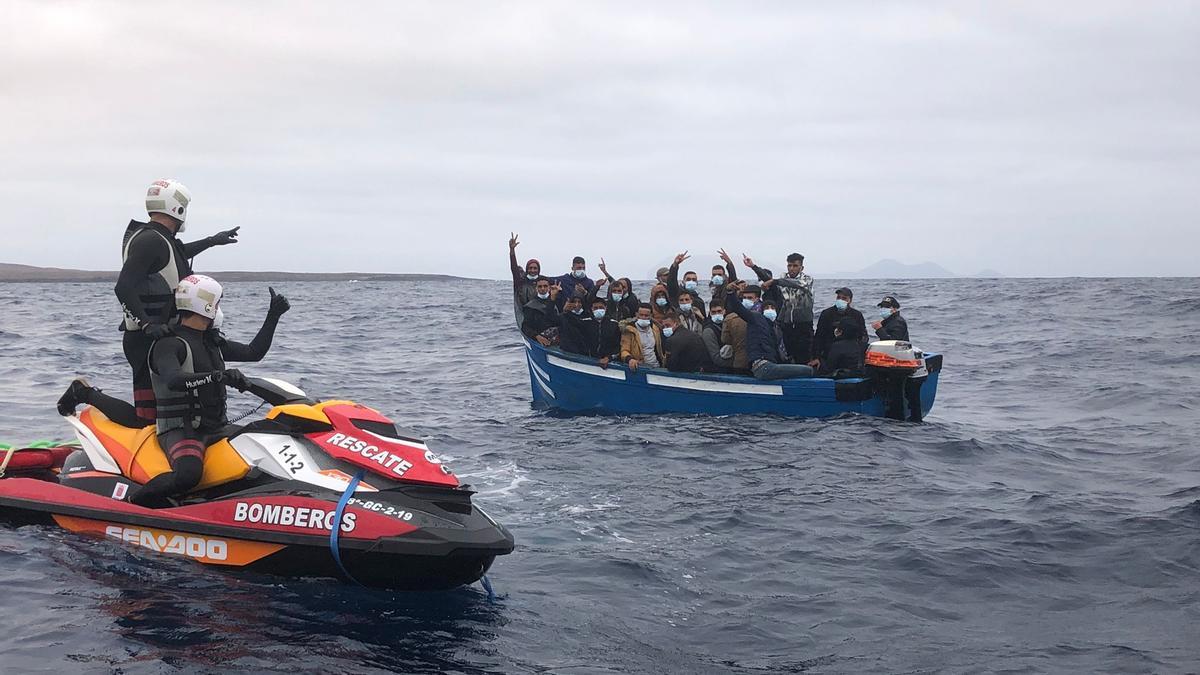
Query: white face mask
[(577, 311), (643, 323), (718, 318), (543, 296), (579, 274), (717, 280)]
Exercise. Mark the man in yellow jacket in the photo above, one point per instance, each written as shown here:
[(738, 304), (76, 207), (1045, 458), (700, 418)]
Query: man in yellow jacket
[(642, 341)]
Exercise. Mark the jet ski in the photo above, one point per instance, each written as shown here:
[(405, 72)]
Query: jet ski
[(324, 489)]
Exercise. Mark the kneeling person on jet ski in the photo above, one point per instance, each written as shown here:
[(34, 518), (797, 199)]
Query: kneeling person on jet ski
[(187, 371)]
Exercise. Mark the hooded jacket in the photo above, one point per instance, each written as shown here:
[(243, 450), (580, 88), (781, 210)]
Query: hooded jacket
[(572, 286)]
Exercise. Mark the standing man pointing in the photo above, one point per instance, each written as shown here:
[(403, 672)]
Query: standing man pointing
[(153, 262)]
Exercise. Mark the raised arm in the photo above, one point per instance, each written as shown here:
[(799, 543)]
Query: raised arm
[(730, 268), (261, 344), (518, 273), (733, 303)]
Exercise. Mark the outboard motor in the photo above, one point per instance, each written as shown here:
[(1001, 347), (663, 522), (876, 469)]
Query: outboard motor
[(898, 370)]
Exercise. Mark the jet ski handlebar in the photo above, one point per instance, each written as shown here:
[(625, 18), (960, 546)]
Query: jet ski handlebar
[(276, 392)]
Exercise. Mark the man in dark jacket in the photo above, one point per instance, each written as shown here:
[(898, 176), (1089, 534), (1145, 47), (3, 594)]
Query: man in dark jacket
[(691, 286), (576, 282), (830, 317), (793, 296), (575, 329), (153, 260), (540, 315), (685, 349), (891, 326), (762, 343), (845, 358)]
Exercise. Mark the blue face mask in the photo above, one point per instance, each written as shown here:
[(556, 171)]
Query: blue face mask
[(841, 304), (668, 332), (747, 303), (643, 323), (543, 296), (690, 285), (579, 274), (685, 306), (599, 313), (618, 296), (717, 280), (770, 314), (885, 312), (661, 302), (718, 318)]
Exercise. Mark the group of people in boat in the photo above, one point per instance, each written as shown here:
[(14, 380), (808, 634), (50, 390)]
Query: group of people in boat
[(764, 329), (173, 341)]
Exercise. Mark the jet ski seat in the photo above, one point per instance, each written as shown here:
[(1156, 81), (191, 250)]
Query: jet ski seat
[(137, 453)]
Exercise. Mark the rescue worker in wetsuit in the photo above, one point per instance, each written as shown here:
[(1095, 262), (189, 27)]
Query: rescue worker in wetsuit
[(187, 371), (153, 262)]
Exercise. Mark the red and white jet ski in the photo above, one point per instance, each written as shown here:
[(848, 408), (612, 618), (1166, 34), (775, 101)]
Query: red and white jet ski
[(313, 489)]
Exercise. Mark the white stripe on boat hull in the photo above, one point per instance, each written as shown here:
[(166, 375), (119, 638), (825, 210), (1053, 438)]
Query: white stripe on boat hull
[(714, 386), (584, 368)]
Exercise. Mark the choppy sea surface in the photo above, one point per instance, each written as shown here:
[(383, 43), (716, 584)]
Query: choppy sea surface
[(1045, 518)]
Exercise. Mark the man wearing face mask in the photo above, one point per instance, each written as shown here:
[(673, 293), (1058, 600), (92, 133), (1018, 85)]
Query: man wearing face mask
[(684, 348), (720, 354), (691, 284), (792, 294), (722, 277), (660, 303), (691, 315), (524, 278), (829, 318), (762, 340), (540, 315), (153, 262), (898, 388), (642, 342), (574, 283), (891, 326)]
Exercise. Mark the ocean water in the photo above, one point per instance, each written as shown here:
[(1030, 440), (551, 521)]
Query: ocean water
[(1046, 518)]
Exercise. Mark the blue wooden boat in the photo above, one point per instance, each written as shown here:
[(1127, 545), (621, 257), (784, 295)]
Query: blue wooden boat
[(573, 383)]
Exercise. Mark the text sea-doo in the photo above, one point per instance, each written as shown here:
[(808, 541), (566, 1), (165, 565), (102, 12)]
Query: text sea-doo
[(270, 495)]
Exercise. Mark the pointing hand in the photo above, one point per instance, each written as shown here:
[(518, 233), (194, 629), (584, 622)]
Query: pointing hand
[(226, 237)]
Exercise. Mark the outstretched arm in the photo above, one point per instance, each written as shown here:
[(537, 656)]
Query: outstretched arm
[(733, 303), (195, 248)]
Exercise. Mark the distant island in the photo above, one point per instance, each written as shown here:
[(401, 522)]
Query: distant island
[(28, 273), (894, 269)]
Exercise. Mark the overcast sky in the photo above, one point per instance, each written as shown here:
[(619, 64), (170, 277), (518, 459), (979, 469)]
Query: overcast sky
[(1039, 139)]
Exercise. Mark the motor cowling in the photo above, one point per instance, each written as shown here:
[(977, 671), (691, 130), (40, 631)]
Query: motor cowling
[(895, 356)]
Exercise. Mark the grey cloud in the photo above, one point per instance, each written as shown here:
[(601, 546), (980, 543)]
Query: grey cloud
[(1039, 139)]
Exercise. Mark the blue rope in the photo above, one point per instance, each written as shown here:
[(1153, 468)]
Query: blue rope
[(337, 525), (487, 586)]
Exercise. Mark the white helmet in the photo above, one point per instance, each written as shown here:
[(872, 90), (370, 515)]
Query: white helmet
[(170, 197), (198, 294)]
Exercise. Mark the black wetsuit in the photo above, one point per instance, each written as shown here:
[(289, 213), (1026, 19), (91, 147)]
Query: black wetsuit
[(189, 378), (154, 261)]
